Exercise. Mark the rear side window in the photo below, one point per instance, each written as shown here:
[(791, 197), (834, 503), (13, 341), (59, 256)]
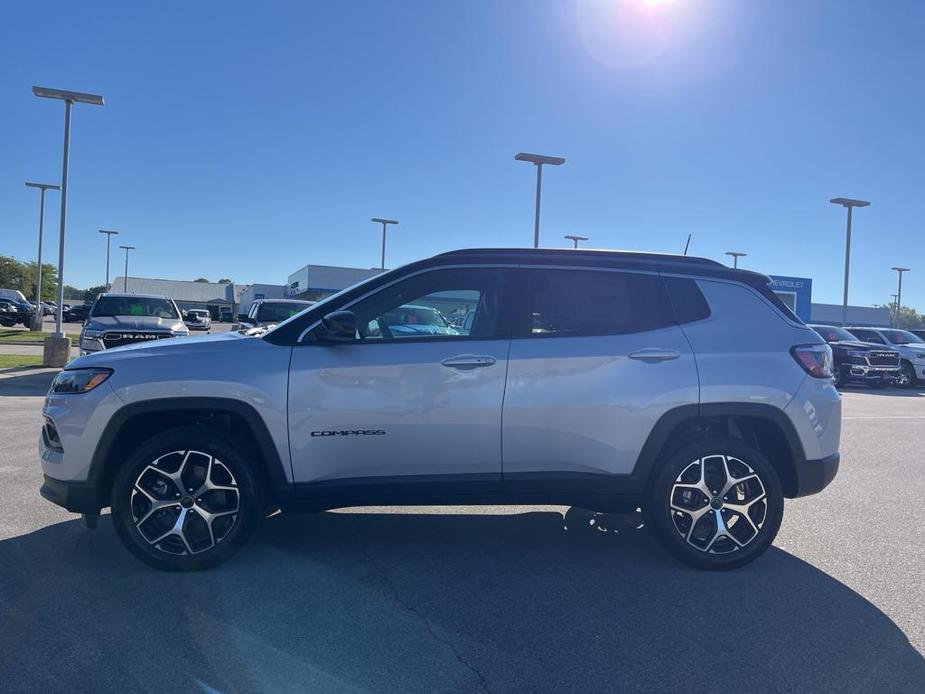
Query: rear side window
[(687, 300), (567, 303)]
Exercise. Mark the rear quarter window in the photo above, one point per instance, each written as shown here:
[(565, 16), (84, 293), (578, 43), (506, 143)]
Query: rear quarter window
[(687, 301)]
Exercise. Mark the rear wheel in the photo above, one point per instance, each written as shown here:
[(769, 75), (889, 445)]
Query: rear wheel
[(716, 504), (185, 500)]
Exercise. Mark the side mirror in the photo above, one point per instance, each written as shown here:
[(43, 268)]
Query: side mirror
[(338, 326)]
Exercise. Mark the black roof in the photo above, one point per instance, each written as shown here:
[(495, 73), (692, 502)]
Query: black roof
[(586, 253)]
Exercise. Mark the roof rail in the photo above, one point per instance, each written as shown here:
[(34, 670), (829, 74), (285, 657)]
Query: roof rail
[(587, 253)]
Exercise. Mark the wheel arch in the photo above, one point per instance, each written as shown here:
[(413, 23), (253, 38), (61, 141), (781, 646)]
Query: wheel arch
[(137, 421), (763, 426)]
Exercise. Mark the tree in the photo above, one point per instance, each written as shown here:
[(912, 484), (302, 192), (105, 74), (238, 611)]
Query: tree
[(224, 280), (908, 317), (21, 276), (89, 295), (201, 279)]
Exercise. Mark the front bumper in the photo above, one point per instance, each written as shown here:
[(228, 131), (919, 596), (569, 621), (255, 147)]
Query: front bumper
[(861, 372), (815, 475)]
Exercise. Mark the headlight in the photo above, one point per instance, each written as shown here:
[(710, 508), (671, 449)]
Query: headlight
[(79, 380), (920, 355), (93, 333), (862, 355)]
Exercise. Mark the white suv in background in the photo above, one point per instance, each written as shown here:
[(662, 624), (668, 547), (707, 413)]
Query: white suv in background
[(911, 350), (605, 380)]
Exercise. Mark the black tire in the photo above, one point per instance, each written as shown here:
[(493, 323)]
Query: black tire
[(203, 544), (668, 525), (907, 376), (839, 377)]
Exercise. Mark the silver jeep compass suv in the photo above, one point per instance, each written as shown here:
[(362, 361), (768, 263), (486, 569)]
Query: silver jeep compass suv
[(605, 380)]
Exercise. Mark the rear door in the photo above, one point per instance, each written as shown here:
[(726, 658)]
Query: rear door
[(600, 360)]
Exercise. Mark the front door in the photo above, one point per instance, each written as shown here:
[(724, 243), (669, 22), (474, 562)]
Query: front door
[(416, 397)]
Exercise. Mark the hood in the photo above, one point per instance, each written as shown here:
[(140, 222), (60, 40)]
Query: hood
[(134, 323), (858, 346), (153, 348)]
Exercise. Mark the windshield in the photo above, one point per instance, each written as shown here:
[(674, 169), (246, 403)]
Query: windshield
[(901, 337), (832, 334), (144, 307), (274, 312), (197, 314)]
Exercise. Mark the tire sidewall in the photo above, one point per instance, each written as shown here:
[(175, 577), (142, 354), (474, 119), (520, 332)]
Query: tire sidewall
[(658, 512), (208, 441)]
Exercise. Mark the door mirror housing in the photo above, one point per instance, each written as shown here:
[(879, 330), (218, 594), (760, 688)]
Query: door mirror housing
[(338, 326)]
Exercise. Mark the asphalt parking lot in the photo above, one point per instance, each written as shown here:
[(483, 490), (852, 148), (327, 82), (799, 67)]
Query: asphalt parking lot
[(483, 599)]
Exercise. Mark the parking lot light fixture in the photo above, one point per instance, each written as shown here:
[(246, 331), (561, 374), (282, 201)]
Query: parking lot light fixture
[(39, 315), (109, 233), (849, 204), (69, 98), (538, 160), (899, 295), (735, 258), (125, 275), (385, 223), (575, 239)]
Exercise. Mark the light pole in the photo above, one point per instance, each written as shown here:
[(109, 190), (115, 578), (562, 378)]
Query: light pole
[(893, 311), (109, 233), (39, 314), (69, 99), (575, 239), (125, 276), (538, 160), (899, 295), (384, 223), (735, 258), (849, 204)]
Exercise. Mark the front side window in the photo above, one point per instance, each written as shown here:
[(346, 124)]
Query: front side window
[(134, 306), (569, 303), (458, 303)]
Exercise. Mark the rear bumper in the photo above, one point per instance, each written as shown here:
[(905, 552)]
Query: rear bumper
[(815, 475), (76, 497)]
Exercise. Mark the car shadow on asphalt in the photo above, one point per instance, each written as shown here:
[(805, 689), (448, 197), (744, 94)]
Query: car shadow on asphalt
[(26, 381), (427, 602)]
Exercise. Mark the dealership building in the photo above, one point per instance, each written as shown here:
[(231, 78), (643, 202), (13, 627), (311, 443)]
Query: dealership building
[(797, 294)]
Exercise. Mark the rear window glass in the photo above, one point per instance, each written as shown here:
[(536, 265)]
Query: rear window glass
[(687, 300), (580, 302)]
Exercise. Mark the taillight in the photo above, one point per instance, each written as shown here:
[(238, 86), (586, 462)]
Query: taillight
[(816, 360)]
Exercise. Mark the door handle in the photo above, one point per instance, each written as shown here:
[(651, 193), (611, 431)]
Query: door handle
[(652, 354), (468, 361)]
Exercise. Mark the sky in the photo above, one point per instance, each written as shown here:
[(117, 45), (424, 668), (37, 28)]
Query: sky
[(246, 139)]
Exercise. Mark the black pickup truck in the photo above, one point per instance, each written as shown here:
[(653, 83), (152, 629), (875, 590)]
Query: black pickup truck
[(859, 362)]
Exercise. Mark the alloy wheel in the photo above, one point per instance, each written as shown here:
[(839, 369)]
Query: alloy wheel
[(718, 504), (185, 502)]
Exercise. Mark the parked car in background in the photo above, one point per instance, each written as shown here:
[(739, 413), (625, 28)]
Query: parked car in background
[(198, 319), (116, 320), (20, 311), (9, 314), (13, 295), (605, 380), (911, 350), (409, 321), (77, 313), (859, 362), (265, 312)]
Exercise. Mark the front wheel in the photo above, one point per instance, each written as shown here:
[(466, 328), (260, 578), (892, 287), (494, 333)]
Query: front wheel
[(185, 500), (716, 504), (906, 375)]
